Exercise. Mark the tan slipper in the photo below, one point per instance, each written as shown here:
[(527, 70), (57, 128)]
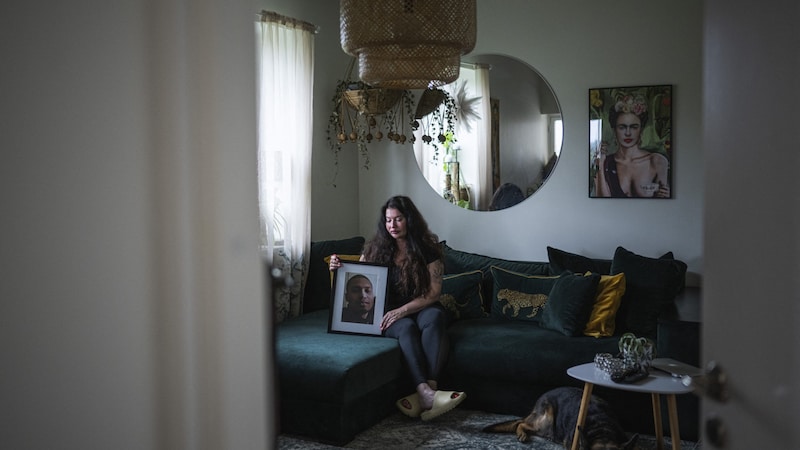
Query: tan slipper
[(443, 401), (409, 405)]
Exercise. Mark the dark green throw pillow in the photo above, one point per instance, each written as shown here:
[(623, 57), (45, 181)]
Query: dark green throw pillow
[(461, 295), (457, 261), (518, 296), (570, 303), (651, 287), (561, 261)]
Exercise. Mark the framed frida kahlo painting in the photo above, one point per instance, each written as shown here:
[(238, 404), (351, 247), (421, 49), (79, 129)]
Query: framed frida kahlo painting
[(630, 142)]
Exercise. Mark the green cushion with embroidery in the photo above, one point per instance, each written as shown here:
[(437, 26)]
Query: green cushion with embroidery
[(517, 296), (461, 295)]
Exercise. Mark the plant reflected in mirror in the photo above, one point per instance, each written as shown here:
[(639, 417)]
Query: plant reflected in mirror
[(499, 125)]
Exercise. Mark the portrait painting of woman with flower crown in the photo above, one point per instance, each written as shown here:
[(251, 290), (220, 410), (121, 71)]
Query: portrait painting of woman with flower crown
[(630, 142)]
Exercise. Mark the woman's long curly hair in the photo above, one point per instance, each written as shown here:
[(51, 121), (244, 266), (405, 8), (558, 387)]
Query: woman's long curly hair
[(414, 278)]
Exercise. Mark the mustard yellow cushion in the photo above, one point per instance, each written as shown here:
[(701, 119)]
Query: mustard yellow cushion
[(604, 312), (343, 258)]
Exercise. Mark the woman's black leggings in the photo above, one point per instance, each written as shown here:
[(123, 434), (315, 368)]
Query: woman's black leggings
[(423, 341)]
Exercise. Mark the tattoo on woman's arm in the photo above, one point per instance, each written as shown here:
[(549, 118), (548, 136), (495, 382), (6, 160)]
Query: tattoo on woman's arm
[(438, 270)]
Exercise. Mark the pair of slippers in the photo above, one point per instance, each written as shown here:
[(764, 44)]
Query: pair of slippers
[(443, 401)]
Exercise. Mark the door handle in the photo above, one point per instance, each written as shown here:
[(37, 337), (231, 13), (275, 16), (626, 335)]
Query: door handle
[(712, 384)]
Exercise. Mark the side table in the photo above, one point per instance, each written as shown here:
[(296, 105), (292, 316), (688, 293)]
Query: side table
[(655, 385)]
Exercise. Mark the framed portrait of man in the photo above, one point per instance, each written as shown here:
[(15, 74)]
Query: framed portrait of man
[(358, 298), (630, 142)]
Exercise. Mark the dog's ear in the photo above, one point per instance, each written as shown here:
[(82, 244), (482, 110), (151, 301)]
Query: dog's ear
[(631, 444)]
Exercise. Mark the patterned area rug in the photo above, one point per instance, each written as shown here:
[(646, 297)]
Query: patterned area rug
[(457, 430)]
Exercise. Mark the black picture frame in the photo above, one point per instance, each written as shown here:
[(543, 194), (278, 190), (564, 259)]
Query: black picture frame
[(341, 318), (653, 145)]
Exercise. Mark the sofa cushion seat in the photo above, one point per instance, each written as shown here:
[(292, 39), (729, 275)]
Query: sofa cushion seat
[(517, 351), (313, 363), (333, 386)]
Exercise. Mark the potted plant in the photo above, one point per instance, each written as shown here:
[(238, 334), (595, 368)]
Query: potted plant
[(637, 353)]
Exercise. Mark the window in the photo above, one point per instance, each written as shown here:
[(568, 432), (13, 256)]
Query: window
[(556, 134), (285, 64)]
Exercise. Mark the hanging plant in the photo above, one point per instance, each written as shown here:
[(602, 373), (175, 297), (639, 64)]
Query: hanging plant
[(428, 101), (361, 113), (436, 115)]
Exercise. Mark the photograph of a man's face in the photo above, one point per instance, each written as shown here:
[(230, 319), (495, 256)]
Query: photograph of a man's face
[(358, 298), (359, 304)]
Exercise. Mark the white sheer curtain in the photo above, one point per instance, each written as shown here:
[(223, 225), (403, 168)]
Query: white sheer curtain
[(475, 137), (285, 64)]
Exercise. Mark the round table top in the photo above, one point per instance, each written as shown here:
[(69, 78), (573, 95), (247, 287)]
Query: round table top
[(655, 383)]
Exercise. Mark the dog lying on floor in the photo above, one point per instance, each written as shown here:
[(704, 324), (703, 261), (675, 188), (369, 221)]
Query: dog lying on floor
[(555, 415)]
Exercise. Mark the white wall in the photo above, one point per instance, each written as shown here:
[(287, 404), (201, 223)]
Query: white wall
[(131, 295), (577, 46)]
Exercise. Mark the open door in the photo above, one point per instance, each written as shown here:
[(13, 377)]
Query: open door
[(751, 320)]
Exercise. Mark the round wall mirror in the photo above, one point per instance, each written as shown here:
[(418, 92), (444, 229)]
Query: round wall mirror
[(505, 140)]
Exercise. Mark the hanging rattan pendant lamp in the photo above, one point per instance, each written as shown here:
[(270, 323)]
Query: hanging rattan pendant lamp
[(408, 44)]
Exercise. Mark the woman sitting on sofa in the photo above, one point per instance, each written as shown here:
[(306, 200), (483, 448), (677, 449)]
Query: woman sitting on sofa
[(414, 315)]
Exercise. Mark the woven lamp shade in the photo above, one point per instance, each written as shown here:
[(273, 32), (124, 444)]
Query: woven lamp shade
[(408, 44)]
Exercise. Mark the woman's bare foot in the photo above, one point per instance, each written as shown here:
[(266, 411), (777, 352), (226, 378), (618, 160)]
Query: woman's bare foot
[(426, 394)]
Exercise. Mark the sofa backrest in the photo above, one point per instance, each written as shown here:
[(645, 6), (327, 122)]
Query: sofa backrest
[(317, 294), (457, 261), (651, 283)]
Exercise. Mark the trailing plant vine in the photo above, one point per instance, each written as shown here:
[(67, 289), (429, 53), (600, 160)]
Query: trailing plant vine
[(361, 114), (438, 123)]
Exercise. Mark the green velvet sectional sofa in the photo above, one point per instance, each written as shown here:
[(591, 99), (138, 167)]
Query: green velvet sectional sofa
[(516, 326)]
